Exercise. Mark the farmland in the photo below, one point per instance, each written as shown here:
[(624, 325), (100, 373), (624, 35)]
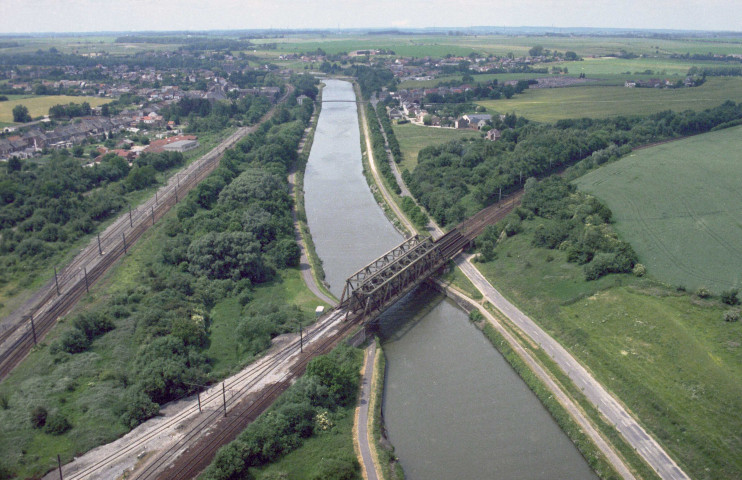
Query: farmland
[(413, 138), (549, 105), (38, 106), (680, 206), (439, 45)]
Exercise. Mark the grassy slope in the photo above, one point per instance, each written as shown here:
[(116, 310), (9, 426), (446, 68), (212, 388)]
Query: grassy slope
[(680, 206), (38, 106), (413, 138), (85, 386), (548, 105), (670, 359)]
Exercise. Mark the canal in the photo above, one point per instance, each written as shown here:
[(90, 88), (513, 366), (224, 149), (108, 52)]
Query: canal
[(453, 406)]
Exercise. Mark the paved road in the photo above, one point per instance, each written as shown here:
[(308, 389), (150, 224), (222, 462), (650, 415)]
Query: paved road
[(364, 436), (634, 434)]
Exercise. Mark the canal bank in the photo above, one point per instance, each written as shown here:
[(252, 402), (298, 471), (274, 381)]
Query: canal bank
[(348, 234)]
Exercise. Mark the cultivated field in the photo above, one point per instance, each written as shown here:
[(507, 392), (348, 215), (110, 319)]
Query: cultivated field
[(680, 206), (548, 105), (413, 138), (440, 45), (38, 106)]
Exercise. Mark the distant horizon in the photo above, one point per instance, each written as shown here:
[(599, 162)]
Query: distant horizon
[(94, 16), (539, 30)]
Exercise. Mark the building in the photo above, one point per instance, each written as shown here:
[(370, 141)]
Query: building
[(493, 135), (181, 146)]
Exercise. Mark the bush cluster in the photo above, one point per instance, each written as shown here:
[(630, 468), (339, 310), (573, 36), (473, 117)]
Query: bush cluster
[(570, 221)]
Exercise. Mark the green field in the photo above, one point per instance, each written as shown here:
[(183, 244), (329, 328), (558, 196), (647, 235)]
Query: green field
[(551, 104), (669, 357), (38, 106), (680, 206), (413, 138), (440, 45)]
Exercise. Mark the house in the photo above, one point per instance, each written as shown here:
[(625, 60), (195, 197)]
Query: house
[(395, 114), (479, 120), (493, 135), (462, 122)]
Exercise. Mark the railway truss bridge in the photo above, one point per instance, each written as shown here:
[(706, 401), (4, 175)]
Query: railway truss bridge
[(378, 285)]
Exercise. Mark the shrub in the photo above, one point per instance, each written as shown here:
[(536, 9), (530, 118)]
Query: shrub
[(4, 401), (345, 468), (38, 417), (731, 315), (730, 297), (73, 341), (703, 292), (475, 316), (57, 424), (93, 325), (139, 408), (639, 270)]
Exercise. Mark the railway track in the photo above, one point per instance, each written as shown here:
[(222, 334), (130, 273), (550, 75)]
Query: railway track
[(251, 392), (197, 458), (74, 280)]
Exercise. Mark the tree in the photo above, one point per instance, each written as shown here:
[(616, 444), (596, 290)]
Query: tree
[(20, 114), (536, 51), (427, 120)]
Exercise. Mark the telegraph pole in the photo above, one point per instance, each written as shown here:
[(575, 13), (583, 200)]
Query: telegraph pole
[(56, 281), (224, 399), (100, 251)]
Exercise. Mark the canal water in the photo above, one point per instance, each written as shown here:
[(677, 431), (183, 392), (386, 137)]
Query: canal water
[(454, 408)]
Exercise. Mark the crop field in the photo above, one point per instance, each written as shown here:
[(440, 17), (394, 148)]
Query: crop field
[(440, 45), (668, 356), (413, 138), (38, 106), (680, 206), (548, 105)]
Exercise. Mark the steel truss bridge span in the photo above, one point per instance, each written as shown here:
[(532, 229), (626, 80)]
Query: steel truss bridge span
[(378, 285)]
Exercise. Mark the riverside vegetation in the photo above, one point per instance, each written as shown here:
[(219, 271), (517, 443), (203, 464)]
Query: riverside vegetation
[(147, 340)]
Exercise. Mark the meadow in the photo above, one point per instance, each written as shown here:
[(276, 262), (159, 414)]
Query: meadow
[(413, 138), (668, 356), (552, 104), (680, 206), (39, 105)]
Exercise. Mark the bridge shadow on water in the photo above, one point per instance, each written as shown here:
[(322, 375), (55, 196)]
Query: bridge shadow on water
[(401, 318)]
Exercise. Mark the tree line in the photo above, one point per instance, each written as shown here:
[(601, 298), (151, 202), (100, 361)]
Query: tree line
[(455, 180)]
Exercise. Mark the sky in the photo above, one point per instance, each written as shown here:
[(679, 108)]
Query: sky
[(31, 16)]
